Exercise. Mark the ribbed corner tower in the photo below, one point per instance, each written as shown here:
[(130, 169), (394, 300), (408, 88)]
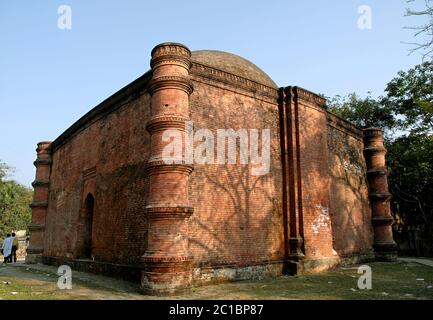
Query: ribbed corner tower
[(40, 203), (377, 175), (167, 262)]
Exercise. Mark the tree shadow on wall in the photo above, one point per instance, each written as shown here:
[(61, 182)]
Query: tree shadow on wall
[(242, 223), (349, 197)]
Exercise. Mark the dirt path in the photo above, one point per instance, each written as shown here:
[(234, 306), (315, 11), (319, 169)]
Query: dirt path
[(422, 261), (40, 282), (401, 280)]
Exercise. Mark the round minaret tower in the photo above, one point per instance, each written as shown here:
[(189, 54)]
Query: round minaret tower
[(40, 203), (384, 246), (166, 262)]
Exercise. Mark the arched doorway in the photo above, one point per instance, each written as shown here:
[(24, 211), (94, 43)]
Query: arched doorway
[(88, 224)]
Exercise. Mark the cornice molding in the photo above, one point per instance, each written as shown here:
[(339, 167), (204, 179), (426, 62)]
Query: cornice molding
[(170, 48), (237, 81)]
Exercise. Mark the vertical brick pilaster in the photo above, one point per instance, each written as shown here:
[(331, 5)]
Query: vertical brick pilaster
[(291, 154), (374, 151), (40, 203), (167, 262)]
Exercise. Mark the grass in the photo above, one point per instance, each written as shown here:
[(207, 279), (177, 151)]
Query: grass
[(401, 281)]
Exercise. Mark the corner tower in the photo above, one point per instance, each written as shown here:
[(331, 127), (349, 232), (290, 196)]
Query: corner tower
[(167, 262), (40, 202), (377, 175)]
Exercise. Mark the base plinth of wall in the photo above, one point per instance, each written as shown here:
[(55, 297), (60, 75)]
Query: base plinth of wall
[(226, 273), (32, 258), (386, 252), (165, 284), (34, 255), (120, 271), (311, 265), (171, 282), (162, 276)]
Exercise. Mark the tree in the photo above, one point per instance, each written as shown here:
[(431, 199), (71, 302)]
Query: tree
[(410, 99), (411, 184), (426, 30), (405, 115), (15, 198), (364, 113)]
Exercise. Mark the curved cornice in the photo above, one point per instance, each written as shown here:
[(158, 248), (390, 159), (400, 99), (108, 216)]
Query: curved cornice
[(235, 80)]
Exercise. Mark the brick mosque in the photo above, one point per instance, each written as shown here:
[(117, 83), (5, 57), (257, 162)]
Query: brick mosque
[(105, 200)]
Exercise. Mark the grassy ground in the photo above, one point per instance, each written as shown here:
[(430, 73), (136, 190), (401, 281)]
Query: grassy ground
[(399, 280)]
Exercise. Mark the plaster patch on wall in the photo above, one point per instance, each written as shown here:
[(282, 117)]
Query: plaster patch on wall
[(322, 221), (60, 198), (352, 168)]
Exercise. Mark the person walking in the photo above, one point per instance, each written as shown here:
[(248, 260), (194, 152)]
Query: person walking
[(7, 248), (14, 248)]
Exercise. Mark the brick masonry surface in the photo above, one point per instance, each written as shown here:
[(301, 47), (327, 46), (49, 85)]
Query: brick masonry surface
[(239, 225)]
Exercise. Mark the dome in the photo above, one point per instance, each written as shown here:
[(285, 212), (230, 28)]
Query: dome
[(232, 63)]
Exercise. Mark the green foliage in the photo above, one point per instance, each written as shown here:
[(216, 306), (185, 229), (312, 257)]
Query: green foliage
[(410, 97), (15, 198), (405, 115), (365, 113), (411, 180)]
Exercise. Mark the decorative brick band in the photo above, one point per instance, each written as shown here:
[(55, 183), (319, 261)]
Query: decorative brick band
[(35, 250), (157, 258), (166, 122), (171, 48), (166, 212), (181, 61), (382, 221), (165, 264), (42, 161), (158, 166), (35, 226), (43, 146), (385, 247), (40, 183), (379, 196), (374, 149), (370, 133), (170, 82), (39, 204), (377, 172)]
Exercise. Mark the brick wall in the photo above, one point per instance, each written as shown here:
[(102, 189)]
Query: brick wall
[(107, 158), (349, 205), (237, 217), (317, 226)]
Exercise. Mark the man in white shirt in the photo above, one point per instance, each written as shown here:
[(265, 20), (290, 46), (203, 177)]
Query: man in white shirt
[(7, 248)]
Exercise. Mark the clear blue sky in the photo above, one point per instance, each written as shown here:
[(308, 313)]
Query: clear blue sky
[(51, 77)]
